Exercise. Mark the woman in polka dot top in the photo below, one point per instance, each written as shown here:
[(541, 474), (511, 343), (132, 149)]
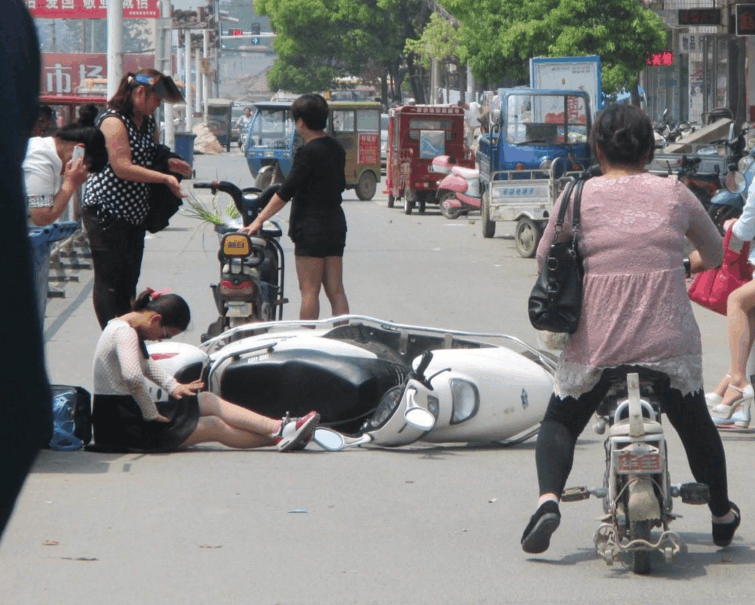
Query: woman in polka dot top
[(117, 199)]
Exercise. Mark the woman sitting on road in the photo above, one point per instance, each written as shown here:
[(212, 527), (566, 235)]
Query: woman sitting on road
[(635, 314), (125, 417), (52, 176)]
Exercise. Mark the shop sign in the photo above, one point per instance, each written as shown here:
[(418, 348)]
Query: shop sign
[(690, 43), (700, 16), (66, 73), (91, 9), (661, 59), (745, 19)]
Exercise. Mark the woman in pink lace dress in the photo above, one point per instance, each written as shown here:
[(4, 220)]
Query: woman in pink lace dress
[(635, 314)]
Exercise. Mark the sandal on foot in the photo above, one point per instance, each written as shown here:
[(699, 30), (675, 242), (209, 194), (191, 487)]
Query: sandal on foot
[(725, 411), (537, 534), (723, 533)]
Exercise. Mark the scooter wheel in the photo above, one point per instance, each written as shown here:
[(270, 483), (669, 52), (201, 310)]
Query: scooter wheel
[(449, 212), (608, 556)]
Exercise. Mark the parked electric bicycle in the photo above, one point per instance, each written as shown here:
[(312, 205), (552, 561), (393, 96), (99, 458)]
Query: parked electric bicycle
[(729, 202), (250, 286), (636, 491)]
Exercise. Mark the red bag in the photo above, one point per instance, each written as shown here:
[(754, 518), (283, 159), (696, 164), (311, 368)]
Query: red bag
[(711, 288)]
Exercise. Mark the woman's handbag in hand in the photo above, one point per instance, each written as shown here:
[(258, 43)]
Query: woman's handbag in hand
[(555, 303), (711, 288)]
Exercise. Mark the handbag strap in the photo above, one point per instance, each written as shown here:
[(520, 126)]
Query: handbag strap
[(576, 206), (564, 205), (571, 185)]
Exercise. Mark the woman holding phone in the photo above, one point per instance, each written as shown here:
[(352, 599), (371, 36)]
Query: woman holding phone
[(55, 167)]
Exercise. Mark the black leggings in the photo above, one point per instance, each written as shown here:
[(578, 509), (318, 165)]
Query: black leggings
[(566, 418), (117, 249)]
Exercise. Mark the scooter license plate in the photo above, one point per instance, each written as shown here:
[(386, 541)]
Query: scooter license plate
[(239, 310), (639, 463)]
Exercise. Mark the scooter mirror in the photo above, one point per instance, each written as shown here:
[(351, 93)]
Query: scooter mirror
[(735, 181), (419, 418), (328, 439)]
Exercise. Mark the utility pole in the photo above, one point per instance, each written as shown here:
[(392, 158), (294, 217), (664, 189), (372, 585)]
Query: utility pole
[(114, 46), (164, 63)]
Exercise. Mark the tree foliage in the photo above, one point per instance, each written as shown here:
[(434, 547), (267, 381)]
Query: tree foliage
[(501, 36), (320, 40)]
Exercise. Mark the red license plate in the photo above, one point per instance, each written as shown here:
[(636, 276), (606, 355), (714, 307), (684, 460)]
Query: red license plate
[(639, 463)]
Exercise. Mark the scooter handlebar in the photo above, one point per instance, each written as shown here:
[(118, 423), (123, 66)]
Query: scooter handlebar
[(424, 362)]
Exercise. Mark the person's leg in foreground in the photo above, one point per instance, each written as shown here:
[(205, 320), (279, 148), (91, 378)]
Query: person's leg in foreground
[(566, 419)]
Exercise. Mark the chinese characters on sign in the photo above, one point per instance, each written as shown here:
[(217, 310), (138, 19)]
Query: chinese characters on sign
[(91, 9), (67, 73), (689, 43), (661, 59), (369, 148)]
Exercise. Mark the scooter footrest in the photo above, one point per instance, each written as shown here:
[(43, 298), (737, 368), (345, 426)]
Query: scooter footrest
[(694, 493), (575, 494)]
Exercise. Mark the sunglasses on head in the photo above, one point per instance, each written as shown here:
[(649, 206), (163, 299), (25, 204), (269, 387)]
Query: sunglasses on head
[(163, 85)]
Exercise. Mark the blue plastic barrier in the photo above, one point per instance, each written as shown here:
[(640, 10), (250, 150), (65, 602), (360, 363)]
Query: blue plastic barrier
[(42, 239)]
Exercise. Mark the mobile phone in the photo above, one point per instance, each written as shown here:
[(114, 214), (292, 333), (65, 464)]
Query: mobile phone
[(78, 152)]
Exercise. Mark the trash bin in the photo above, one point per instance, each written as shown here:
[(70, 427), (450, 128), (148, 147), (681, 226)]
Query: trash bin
[(185, 146), (42, 239)]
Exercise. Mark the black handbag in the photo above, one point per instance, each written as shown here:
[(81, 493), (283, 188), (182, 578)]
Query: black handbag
[(163, 203), (555, 304)]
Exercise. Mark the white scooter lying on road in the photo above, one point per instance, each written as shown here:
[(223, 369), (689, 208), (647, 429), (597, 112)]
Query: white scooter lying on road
[(637, 491), (357, 373)]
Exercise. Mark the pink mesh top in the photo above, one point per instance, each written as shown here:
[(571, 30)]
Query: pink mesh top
[(635, 308)]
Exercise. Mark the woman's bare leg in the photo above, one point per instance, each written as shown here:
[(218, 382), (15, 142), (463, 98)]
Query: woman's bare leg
[(738, 311), (236, 416), (333, 284), (310, 271), (214, 429)]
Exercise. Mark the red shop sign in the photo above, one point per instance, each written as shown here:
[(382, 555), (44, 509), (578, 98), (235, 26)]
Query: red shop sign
[(91, 9), (65, 73)]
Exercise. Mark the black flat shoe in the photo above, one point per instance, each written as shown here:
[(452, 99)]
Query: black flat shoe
[(723, 533), (537, 534)]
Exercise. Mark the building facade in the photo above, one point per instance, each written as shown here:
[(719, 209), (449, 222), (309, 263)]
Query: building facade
[(710, 62)]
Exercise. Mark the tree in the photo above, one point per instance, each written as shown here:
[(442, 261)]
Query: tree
[(318, 41), (500, 36)]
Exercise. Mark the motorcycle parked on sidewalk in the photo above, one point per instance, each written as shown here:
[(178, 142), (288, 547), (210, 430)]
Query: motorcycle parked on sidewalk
[(250, 286), (729, 202), (637, 492), (357, 373), (459, 191)]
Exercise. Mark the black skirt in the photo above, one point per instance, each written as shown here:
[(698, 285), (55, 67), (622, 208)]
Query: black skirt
[(119, 425)]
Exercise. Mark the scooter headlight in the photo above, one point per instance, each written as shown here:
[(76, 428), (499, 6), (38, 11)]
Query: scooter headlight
[(545, 164), (465, 400), (744, 163), (385, 409)]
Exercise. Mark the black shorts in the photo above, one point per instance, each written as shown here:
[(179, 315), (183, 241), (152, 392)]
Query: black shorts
[(320, 245)]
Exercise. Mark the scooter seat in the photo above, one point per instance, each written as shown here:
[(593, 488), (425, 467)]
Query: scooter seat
[(465, 173), (621, 429)]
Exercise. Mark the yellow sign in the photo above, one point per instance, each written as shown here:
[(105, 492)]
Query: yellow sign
[(237, 244)]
